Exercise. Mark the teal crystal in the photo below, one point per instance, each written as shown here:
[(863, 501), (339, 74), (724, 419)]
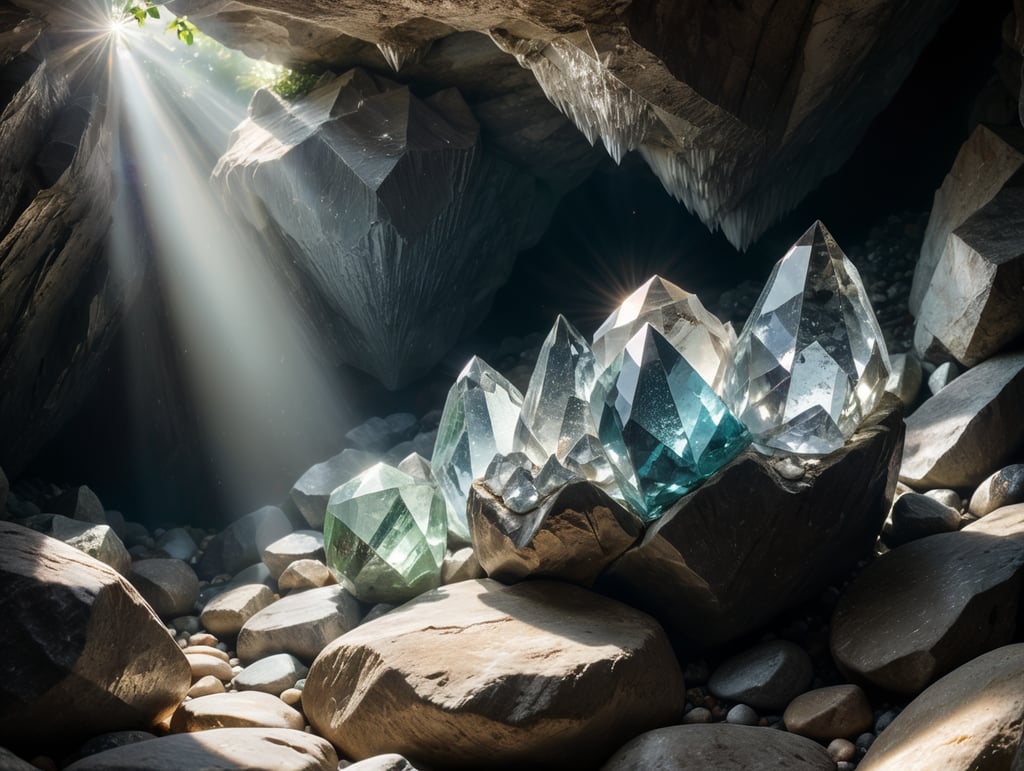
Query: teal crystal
[(662, 417), (478, 422), (698, 334), (810, 362), (557, 418), (384, 535)]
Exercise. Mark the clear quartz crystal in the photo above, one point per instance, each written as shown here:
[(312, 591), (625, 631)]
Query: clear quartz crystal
[(810, 363), (703, 340), (557, 417), (660, 416), (477, 423), (553, 476), (384, 535), (519, 492)]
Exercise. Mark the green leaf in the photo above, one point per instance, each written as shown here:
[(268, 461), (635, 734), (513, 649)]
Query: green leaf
[(153, 11)]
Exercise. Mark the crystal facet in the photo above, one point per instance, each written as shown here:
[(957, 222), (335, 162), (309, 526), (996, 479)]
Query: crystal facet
[(810, 363), (384, 535), (478, 422), (557, 417), (704, 341), (672, 426)]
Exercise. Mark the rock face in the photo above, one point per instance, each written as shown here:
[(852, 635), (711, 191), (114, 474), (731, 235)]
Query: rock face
[(721, 747), (59, 303), (222, 748), (418, 190), (988, 158), (751, 542), (971, 309), (970, 719), (962, 434), (573, 535), (551, 674), (927, 607), (81, 649), (723, 119)]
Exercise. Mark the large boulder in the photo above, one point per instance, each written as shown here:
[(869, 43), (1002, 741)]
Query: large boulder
[(970, 720), (967, 430), (990, 156), (425, 218), (97, 541), (242, 542), (750, 542), (927, 607), (971, 309), (722, 747), (169, 586), (477, 674), (283, 749), (81, 650), (722, 101)]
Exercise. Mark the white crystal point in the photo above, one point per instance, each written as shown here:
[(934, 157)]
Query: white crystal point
[(556, 408), (477, 423), (810, 362), (703, 340)]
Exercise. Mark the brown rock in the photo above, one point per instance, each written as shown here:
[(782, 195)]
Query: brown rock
[(221, 748), (1004, 488), (967, 430), (722, 747), (925, 608), (461, 565), (838, 711), (749, 542), (305, 574), (572, 535), (972, 719), (206, 685), (300, 624), (245, 709), (203, 664), (81, 649), (227, 613), (549, 673), (300, 545)]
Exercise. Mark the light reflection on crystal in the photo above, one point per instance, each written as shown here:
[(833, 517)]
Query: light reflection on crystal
[(660, 415), (557, 418), (810, 363), (384, 535), (697, 334), (478, 422)]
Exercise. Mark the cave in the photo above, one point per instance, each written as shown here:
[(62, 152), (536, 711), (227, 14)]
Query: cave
[(690, 332)]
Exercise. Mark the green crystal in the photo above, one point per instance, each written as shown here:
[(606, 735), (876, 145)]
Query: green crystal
[(385, 535), (660, 415)]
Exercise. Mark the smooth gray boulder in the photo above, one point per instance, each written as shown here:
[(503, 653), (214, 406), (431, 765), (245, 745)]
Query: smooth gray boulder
[(97, 541), (222, 748), (970, 720), (301, 624), (760, 536), (300, 545), (1003, 488), (170, 586), (721, 747), (81, 649), (418, 216), (313, 489), (273, 674), (241, 543), (551, 674), (226, 614), (967, 430), (925, 608), (916, 516), (767, 676)]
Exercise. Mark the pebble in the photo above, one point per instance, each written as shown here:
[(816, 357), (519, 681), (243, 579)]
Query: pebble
[(767, 676), (884, 719), (864, 741), (291, 696), (203, 664), (203, 638), (204, 686), (842, 750), (697, 715), (741, 714), (207, 650)]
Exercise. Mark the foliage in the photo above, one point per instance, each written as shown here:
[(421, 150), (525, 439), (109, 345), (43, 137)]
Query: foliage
[(140, 10), (291, 84), (185, 29)]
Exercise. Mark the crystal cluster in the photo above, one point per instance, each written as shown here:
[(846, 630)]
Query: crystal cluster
[(697, 334), (384, 535), (810, 363), (673, 427), (478, 422)]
